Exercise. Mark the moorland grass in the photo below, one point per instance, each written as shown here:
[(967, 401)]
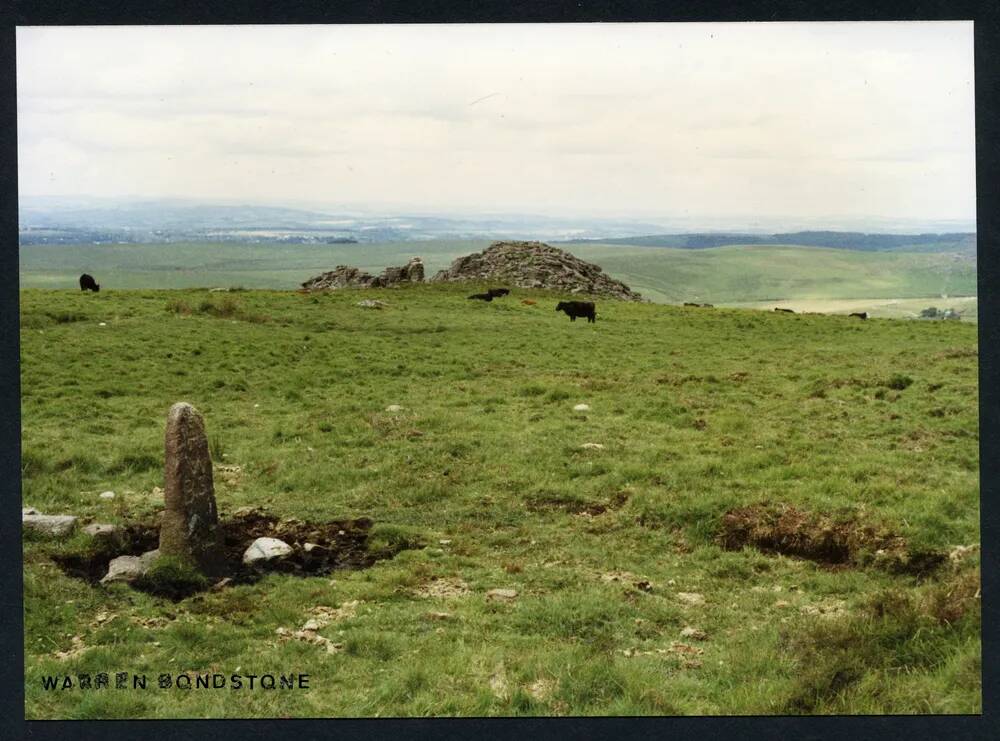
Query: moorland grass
[(483, 477)]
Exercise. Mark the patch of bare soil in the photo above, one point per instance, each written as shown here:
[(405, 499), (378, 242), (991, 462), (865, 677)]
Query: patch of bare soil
[(834, 541), (317, 548)]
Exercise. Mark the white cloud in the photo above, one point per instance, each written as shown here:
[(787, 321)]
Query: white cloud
[(797, 119)]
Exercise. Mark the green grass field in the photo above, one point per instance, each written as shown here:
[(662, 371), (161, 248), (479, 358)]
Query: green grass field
[(614, 552)]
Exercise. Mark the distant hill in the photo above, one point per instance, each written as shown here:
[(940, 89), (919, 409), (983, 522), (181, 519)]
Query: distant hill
[(953, 242)]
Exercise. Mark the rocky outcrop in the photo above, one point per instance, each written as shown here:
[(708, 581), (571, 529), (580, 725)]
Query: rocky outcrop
[(536, 265), (344, 276)]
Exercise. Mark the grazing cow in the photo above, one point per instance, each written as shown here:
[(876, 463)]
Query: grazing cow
[(785, 311), (707, 306), (87, 283), (860, 314), (574, 309), (528, 302), (688, 303), (482, 296), (498, 292)]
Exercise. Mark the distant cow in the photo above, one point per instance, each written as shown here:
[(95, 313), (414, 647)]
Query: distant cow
[(784, 311), (574, 309), (498, 292), (707, 306), (688, 303), (87, 283), (482, 296), (860, 314), (700, 306)]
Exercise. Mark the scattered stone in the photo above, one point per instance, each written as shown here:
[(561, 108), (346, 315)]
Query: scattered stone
[(345, 276), (696, 634), (440, 615), (691, 598), (218, 290), (501, 595), (190, 526), (107, 495), (535, 265), (221, 584), (781, 604), (310, 547), (445, 542), (644, 586), (581, 408), (265, 549), (829, 609), (325, 615), (370, 303), (393, 408), (448, 587), (56, 525), (29, 511), (310, 636), (100, 530), (592, 446), (129, 568), (102, 324)]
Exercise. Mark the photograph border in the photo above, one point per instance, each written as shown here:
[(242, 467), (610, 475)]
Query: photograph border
[(986, 16)]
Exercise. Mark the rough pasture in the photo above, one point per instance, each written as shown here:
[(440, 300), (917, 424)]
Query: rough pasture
[(555, 562)]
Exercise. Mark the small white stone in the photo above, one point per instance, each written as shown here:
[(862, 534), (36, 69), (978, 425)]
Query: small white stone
[(107, 495), (56, 525), (394, 408), (501, 594), (102, 324), (581, 408), (265, 549), (592, 446)]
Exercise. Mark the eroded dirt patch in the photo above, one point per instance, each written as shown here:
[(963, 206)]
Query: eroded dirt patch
[(823, 538), (317, 548)]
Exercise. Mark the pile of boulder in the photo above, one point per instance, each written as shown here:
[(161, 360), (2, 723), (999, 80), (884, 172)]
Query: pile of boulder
[(536, 265), (345, 276)]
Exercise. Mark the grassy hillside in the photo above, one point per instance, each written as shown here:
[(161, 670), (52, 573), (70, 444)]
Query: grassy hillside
[(717, 275), (632, 596), (756, 273), (190, 265)]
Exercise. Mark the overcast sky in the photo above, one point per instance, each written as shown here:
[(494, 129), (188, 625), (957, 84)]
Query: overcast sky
[(809, 120)]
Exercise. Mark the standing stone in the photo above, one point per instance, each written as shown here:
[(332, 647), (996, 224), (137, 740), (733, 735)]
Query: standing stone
[(190, 528)]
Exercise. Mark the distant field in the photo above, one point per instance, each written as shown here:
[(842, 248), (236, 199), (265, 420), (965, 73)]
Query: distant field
[(192, 265), (884, 308), (757, 273), (721, 275)]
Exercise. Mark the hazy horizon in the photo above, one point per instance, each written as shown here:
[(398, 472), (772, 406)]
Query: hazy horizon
[(702, 124)]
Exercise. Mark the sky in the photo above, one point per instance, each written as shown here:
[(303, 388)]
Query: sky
[(686, 120)]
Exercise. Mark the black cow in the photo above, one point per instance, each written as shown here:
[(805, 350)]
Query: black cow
[(860, 314), (87, 283), (785, 311), (482, 296), (688, 303), (498, 292), (574, 309)]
